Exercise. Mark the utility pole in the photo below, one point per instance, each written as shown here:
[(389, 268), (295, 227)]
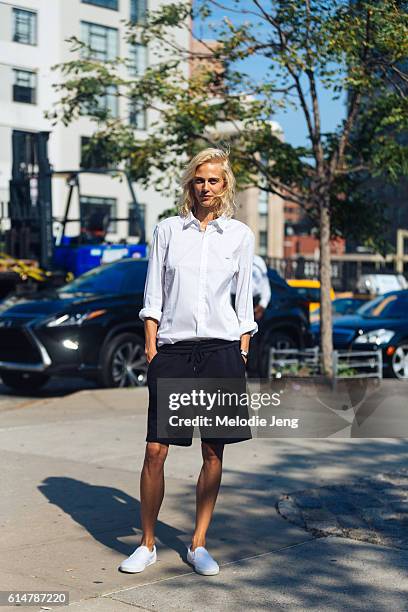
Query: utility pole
[(399, 257)]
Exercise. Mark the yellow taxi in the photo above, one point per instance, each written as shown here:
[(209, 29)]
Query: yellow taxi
[(310, 290)]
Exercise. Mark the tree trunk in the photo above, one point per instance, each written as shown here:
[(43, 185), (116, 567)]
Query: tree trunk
[(326, 340)]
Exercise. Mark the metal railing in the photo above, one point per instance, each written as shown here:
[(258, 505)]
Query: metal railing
[(358, 364), (308, 362)]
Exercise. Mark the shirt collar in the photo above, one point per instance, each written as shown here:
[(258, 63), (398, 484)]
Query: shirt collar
[(219, 223), (190, 220)]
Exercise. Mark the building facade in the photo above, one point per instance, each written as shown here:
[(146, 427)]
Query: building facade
[(33, 38), (263, 212)]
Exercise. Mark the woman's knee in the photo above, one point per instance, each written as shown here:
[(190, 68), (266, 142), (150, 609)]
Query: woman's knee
[(156, 454), (212, 453)]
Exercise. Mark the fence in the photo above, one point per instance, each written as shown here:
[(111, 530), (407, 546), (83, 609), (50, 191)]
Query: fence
[(345, 269), (307, 362)]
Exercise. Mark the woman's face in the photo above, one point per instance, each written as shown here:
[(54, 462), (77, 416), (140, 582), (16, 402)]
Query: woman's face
[(208, 183)]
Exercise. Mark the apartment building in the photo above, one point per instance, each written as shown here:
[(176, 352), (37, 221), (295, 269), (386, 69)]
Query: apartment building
[(264, 213), (33, 38)]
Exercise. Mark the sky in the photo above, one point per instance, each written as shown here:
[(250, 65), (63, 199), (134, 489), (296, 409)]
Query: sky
[(291, 121)]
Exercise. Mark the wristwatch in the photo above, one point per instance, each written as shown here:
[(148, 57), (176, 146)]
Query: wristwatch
[(244, 353)]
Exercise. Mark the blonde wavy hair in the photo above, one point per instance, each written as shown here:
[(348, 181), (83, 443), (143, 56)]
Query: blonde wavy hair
[(225, 202)]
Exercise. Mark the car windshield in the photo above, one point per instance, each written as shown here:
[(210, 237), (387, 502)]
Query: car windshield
[(346, 305), (120, 277), (312, 294), (391, 306)]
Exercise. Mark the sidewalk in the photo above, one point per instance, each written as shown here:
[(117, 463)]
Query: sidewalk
[(70, 515)]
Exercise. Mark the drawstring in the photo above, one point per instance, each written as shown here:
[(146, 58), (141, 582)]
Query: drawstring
[(197, 352), (196, 356)]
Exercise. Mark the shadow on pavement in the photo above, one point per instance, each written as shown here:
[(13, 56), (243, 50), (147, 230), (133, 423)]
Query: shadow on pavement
[(275, 565), (57, 387), (324, 573), (108, 514)]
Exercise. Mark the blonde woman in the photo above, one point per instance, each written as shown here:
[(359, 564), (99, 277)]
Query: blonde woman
[(192, 330)]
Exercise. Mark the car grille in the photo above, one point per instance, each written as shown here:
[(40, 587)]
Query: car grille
[(342, 338), (17, 346)]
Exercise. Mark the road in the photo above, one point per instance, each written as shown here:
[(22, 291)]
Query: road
[(57, 387)]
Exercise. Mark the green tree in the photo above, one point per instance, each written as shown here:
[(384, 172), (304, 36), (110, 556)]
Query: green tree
[(354, 49)]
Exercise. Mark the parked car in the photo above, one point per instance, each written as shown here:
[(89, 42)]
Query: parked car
[(340, 307), (90, 328), (309, 290), (285, 325), (380, 323), (378, 284)]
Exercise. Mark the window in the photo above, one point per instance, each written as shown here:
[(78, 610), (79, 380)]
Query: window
[(136, 218), (25, 153), (119, 277), (263, 199), (109, 102), (137, 114), (109, 4), (106, 104), (24, 27), (97, 210), (95, 158), (138, 10), (263, 243), (101, 40), (24, 87), (137, 63), (135, 278), (392, 306), (87, 159)]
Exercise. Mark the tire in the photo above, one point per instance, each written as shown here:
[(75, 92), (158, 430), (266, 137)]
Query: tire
[(399, 362), (279, 340), (123, 362), (23, 381)]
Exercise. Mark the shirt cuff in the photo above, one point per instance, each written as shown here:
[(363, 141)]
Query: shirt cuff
[(264, 303), (150, 313), (248, 327)]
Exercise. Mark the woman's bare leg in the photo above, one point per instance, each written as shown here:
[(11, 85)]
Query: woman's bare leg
[(208, 485), (151, 489)]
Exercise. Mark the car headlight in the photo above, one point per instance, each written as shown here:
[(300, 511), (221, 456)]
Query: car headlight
[(376, 336), (75, 319)]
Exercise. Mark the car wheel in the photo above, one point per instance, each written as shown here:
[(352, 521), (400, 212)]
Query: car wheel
[(399, 362), (24, 381), (124, 362), (280, 341)]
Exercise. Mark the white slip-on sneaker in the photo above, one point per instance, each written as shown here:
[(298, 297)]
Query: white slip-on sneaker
[(202, 561), (139, 560)]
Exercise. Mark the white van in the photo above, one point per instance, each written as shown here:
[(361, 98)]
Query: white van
[(377, 284)]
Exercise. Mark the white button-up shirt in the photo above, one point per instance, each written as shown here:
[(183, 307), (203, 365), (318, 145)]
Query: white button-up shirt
[(190, 276)]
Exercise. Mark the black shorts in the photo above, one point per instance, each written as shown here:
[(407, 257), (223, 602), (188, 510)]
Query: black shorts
[(209, 359)]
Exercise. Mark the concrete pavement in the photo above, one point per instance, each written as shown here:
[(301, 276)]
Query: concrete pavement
[(70, 506)]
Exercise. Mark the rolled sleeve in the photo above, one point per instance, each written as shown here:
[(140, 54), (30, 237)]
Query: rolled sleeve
[(153, 293), (243, 297)]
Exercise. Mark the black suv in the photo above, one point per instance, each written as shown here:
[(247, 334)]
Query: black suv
[(284, 325), (90, 328)]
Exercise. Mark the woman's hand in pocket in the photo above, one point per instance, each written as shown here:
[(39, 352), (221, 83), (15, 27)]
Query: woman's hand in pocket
[(150, 354)]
